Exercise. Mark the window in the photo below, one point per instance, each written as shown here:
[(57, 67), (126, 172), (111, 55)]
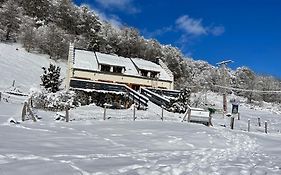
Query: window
[(105, 68), (117, 69), (144, 73), (153, 75)]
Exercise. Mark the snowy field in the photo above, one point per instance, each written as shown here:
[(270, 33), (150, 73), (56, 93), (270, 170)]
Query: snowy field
[(88, 145)]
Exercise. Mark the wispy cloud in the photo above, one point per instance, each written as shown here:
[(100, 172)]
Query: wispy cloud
[(112, 19), (158, 32), (195, 27), (191, 26), (127, 6), (217, 30)]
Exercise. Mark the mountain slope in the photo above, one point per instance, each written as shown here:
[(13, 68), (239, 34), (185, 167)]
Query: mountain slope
[(23, 67)]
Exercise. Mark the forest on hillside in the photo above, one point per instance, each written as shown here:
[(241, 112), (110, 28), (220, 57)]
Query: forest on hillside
[(47, 26)]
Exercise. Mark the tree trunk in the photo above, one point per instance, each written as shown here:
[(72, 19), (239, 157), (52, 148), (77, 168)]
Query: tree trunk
[(8, 34)]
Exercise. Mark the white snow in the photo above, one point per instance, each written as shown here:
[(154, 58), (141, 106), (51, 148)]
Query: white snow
[(85, 60), (146, 65), (88, 145), (23, 67)]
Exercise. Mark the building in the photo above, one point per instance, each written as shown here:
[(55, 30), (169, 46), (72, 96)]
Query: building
[(134, 72)]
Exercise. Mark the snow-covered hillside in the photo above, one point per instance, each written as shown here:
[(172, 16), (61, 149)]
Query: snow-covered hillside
[(23, 67), (88, 145)]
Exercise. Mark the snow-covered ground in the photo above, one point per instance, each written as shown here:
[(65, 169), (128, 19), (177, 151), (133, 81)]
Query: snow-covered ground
[(23, 67), (89, 145)]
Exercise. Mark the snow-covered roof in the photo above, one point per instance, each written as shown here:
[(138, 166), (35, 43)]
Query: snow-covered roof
[(115, 60), (164, 75), (110, 59), (88, 60), (85, 60), (146, 65)]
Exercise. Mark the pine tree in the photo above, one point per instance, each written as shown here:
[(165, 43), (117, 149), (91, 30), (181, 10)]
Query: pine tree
[(10, 20), (51, 78), (89, 27), (67, 16), (39, 9)]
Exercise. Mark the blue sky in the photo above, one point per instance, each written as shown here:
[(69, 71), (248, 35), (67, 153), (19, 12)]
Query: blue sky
[(246, 31)]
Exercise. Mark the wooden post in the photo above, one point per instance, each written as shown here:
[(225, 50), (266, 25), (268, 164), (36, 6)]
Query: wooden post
[(249, 122), (189, 115), (162, 113), (238, 115), (259, 122), (139, 103), (0, 96), (33, 116), (104, 113), (232, 122), (210, 120), (14, 82), (23, 113), (224, 103), (31, 101), (29, 110), (67, 114), (265, 127), (134, 113)]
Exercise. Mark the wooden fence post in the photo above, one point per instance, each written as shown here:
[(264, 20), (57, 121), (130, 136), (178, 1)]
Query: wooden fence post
[(162, 113), (249, 123), (14, 82), (232, 123), (265, 127), (29, 110), (31, 101), (104, 113), (23, 113), (134, 112), (238, 115), (67, 114), (0, 96), (259, 122)]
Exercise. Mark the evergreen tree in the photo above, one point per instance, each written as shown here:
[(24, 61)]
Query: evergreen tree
[(89, 27), (67, 16), (39, 9), (2, 1), (51, 78), (10, 20)]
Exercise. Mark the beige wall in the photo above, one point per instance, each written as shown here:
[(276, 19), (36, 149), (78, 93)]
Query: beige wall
[(99, 76)]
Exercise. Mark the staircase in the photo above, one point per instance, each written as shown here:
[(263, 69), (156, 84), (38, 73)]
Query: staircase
[(160, 97), (165, 92), (155, 98)]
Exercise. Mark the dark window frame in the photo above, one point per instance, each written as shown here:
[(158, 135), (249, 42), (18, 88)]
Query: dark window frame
[(105, 68)]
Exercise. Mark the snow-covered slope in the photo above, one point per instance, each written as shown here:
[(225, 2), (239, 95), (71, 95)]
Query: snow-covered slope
[(23, 67)]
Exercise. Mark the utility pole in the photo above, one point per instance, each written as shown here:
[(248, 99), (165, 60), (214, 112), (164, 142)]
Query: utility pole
[(223, 65)]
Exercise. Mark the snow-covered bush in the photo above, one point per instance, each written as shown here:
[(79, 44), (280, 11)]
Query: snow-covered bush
[(53, 101), (181, 103), (116, 100)]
